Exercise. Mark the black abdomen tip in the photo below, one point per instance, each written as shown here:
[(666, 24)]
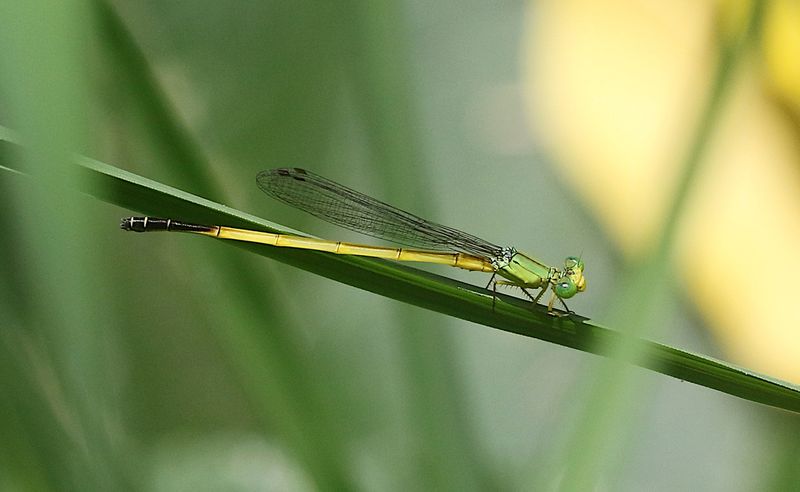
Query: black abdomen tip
[(136, 224), (149, 224), (145, 224)]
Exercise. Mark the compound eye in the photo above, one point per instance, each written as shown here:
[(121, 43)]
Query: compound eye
[(573, 263), (565, 288)]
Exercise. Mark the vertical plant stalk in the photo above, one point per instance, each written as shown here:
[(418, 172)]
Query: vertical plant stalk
[(600, 431), (276, 374)]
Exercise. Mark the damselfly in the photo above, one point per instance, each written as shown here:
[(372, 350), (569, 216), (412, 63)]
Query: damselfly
[(350, 209)]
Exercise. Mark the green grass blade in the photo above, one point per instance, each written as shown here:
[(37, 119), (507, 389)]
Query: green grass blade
[(188, 164), (614, 394), (379, 69), (424, 289), (280, 381)]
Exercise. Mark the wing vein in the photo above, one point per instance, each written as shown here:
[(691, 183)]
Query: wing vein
[(356, 211)]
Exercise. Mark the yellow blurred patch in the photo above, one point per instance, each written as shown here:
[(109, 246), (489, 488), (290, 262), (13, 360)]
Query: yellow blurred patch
[(781, 45), (610, 84), (615, 88)]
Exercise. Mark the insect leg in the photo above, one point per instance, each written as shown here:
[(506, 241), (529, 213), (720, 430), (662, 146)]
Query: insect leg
[(494, 293), (541, 293), (550, 305), (569, 311), (528, 294), (491, 280)]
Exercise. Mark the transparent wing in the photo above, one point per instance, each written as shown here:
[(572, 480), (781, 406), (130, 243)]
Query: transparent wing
[(352, 210)]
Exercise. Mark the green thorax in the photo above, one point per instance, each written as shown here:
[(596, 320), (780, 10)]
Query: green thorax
[(525, 271)]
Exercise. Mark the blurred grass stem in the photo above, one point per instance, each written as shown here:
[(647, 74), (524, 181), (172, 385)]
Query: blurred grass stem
[(604, 425)]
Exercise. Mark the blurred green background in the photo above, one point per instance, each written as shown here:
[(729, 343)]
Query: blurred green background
[(166, 362)]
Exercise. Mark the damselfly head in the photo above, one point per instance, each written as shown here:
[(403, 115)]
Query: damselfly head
[(573, 263), (572, 281), (581, 283), (565, 287)]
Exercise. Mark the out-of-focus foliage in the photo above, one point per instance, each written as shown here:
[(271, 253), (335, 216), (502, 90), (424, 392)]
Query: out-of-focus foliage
[(161, 363), (619, 85)]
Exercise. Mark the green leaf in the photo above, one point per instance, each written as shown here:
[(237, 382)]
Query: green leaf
[(420, 288)]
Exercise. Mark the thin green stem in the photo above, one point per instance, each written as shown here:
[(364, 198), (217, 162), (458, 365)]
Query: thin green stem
[(646, 284)]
